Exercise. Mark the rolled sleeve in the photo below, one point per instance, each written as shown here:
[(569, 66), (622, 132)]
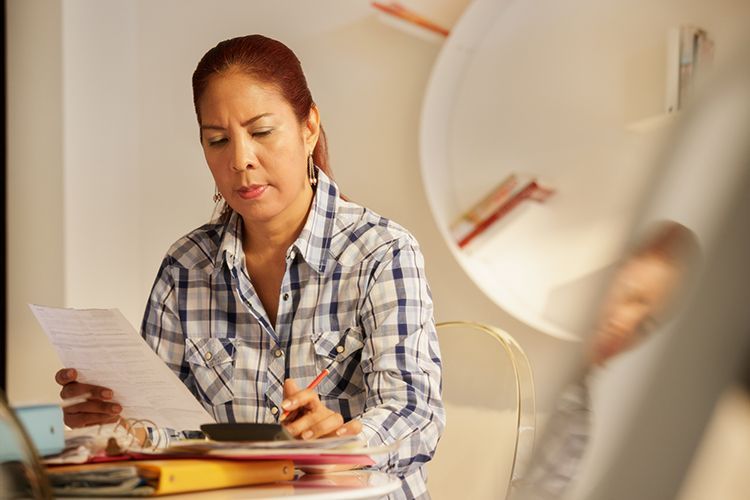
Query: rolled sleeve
[(401, 363)]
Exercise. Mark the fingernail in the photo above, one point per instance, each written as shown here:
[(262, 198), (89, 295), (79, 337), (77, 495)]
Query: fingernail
[(68, 374), (286, 404), (341, 431), (307, 434), (116, 408), (107, 394)]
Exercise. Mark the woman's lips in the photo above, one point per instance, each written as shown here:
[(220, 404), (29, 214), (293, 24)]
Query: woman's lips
[(252, 192)]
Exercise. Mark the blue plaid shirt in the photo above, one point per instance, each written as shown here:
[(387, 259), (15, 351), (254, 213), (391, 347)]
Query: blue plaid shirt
[(354, 294)]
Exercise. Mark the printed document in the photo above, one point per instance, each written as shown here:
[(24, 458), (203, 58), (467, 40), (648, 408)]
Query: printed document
[(107, 351)]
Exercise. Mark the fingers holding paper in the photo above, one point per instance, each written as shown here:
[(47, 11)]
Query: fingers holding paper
[(85, 404), (306, 417)]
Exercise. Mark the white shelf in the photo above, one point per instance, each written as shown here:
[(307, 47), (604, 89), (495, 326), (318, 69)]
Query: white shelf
[(514, 89)]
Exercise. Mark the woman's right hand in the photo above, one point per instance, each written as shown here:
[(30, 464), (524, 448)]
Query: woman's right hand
[(98, 407)]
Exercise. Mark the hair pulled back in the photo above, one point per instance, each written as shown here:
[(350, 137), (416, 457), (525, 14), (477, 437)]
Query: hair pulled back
[(269, 61)]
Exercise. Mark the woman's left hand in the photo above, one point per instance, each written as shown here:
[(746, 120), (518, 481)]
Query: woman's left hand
[(307, 418)]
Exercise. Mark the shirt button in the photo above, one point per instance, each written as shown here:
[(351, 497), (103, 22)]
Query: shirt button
[(339, 349), (286, 296), (274, 410), (278, 353), (208, 356)]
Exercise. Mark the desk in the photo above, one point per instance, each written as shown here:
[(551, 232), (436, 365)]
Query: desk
[(355, 484)]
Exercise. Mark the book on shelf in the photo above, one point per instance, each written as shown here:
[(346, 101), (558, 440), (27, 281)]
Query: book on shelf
[(399, 12), (689, 54), (497, 203), (469, 220)]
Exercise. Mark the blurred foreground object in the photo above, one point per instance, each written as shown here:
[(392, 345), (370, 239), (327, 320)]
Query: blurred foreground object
[(642, 294), (720, 465), (650, 411), (656, 407), (21, 472)]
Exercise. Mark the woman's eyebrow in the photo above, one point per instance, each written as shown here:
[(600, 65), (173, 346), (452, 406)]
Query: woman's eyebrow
[(244, 124)]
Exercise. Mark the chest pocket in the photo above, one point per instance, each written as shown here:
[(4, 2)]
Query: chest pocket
[(212, 363), (341, 353)]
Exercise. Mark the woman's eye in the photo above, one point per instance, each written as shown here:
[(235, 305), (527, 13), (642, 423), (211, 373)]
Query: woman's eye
[(262, 133), (217, 141)]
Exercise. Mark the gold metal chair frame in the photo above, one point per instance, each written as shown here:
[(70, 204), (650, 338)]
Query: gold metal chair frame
[(525, 398)]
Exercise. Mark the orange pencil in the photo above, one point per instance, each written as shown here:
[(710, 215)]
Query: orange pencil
[(312, 385)]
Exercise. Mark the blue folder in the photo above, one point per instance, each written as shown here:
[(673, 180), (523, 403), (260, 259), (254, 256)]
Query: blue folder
[(43, 424)]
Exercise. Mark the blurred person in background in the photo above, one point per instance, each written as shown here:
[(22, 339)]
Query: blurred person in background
[(644, 294)]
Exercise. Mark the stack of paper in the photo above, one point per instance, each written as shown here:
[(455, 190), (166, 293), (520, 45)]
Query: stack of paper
[(347, 450), (107, 351)]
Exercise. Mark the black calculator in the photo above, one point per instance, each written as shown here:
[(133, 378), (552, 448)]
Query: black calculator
[(246, 431)]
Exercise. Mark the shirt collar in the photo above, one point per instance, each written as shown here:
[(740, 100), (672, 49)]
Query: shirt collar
[(313, 242), (230, 247)]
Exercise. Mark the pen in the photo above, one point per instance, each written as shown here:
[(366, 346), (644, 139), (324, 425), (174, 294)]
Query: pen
[(312, 385), (75, 400)]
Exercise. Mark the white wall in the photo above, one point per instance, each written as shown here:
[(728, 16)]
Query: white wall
[(101, 158), (34, 196), (134, 175)]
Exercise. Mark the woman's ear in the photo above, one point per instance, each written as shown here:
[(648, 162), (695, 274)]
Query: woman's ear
[(311, 130)]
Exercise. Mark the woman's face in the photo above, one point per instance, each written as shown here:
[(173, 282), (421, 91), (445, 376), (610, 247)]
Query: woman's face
[(256, 148), (639, 293)]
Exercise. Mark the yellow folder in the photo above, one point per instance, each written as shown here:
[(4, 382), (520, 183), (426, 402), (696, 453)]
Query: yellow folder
[(164, 477), (176, 476)]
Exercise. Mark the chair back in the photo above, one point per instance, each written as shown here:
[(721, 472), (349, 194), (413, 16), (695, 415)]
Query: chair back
[(488, 392)]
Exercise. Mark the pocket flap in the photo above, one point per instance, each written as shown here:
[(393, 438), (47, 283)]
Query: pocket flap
[(209, 351), (338, 344)]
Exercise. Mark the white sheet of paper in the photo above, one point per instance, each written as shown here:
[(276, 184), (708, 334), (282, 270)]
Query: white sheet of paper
[(107, 351)]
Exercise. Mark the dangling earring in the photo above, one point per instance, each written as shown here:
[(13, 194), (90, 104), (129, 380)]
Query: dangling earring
[(312, 174), (217, 195)]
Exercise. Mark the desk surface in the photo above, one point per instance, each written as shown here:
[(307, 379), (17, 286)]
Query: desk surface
[(356, 484)]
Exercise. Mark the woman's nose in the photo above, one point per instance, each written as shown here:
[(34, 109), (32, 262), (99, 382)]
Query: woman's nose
[(243, 156), (627, 318)]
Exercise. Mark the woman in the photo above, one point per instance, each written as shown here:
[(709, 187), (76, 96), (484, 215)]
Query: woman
[(290, 279)]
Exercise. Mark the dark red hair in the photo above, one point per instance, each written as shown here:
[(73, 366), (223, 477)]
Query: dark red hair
[(670, 241), (269, 61)]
